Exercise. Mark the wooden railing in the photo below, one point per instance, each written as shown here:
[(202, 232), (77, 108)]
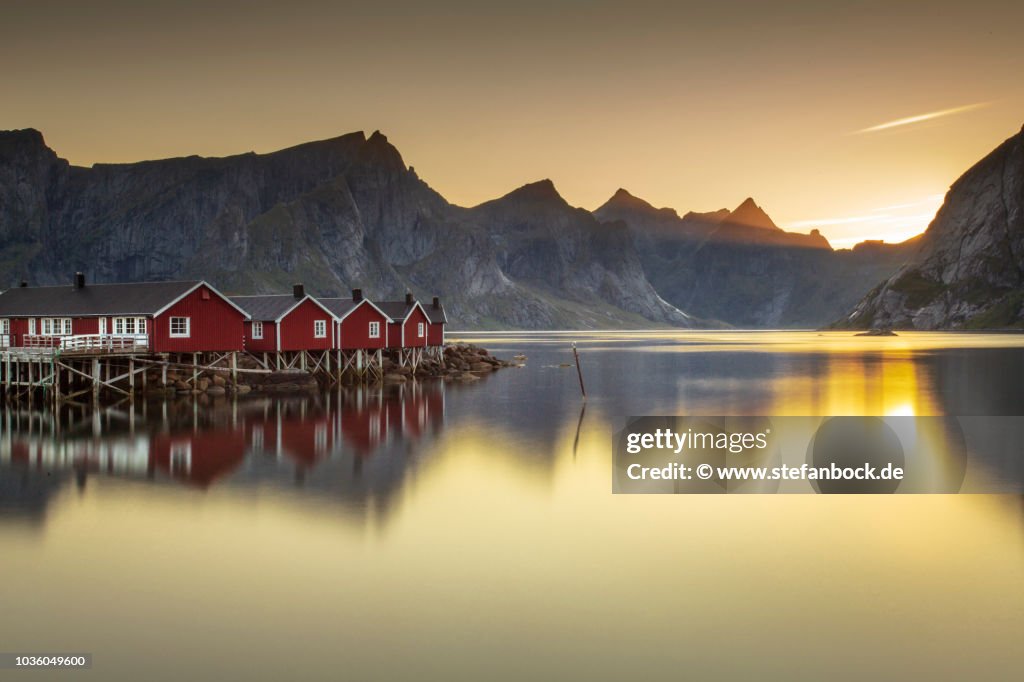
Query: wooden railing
[(89, 342)]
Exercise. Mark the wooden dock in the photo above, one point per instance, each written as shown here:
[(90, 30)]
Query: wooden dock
[(113, 369)]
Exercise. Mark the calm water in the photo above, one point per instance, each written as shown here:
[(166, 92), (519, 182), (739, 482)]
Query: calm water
[(467, 531)]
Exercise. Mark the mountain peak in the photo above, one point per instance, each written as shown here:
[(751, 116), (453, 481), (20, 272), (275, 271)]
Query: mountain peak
[(542, 190), (749, 214), (623, 200)]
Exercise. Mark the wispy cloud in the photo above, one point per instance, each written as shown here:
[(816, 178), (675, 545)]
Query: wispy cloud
[(920, 118)]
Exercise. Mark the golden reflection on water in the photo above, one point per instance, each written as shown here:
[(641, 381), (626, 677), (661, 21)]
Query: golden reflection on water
[(505, 557), (485, 560)]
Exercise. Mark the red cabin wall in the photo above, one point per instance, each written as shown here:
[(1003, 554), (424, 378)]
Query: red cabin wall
[(215, 325), (79, 325), (297, 328), (435, 334), (395, 335), (267, 343), (411, 325), (85, 325), (355, 329)]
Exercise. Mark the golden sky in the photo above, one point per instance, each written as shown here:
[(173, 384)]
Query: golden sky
[(853, 117)]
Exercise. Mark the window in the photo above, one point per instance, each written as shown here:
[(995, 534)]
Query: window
[(375, 330), (320, 328), (55, 326), (180, 327), (419, 330), (31, 325), (257, 330), (5, 326), (129, 325)]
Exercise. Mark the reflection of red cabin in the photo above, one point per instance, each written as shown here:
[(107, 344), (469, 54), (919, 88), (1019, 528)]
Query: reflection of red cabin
[(307, 440), (408, 328), (360, 325), (162, 317), (364, 429), (199, 458), (287, 323)]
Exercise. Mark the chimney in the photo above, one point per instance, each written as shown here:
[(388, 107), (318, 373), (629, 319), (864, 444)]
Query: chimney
[(298, 291), (437, 303), (23, 284), (79, 280), (408, 298), (357, 295)]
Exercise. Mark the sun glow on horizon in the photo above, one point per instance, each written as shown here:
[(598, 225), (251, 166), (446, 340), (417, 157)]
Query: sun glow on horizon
[(893, 223)]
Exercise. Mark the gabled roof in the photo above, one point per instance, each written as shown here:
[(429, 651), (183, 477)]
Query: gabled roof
[(398, 311), (341, 307), (273, 307), (138, 298), (435, 315)]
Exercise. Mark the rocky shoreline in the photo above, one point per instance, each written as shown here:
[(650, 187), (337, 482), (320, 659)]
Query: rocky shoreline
[(461, 362)]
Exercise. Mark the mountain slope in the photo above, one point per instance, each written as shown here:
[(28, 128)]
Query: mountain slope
[(969, 270), (738, 266), (335, 214)]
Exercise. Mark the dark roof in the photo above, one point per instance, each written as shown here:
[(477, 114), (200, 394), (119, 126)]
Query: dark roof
[(396, 310), (339, 306), (139, 298), (269, 307), (436, 315)]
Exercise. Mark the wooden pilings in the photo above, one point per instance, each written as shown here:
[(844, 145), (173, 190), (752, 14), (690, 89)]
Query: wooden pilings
[(48, 375)]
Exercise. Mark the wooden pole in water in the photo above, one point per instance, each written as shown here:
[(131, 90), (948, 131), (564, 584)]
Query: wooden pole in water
[(579, 372)]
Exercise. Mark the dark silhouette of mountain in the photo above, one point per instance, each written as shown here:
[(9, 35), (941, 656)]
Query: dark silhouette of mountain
[(334, 214), (740, 267), (969, 270)]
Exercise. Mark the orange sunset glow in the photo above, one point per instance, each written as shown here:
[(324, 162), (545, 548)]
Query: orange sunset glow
[(853, 119)]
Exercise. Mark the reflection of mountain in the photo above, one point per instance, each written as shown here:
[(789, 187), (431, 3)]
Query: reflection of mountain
[(351, 447)]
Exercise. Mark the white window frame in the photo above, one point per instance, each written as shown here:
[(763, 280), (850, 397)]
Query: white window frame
[(421, 328), (5, 326), (374, 330), (103, 325), (179, 335), (31, 326), (55, 326), (257, 329), (320, 329), (128, 326)]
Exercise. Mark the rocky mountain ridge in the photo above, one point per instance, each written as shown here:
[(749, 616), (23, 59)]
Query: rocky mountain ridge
[(739, 266), (334, 214), (969, 270)]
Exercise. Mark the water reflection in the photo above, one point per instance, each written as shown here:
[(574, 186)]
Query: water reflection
[(145, 535), (353, 446)]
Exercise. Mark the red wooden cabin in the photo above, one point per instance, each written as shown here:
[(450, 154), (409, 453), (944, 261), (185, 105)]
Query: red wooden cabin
[(435, 329), (156, 317), (287, 323), (360, 325), (409, 322)]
